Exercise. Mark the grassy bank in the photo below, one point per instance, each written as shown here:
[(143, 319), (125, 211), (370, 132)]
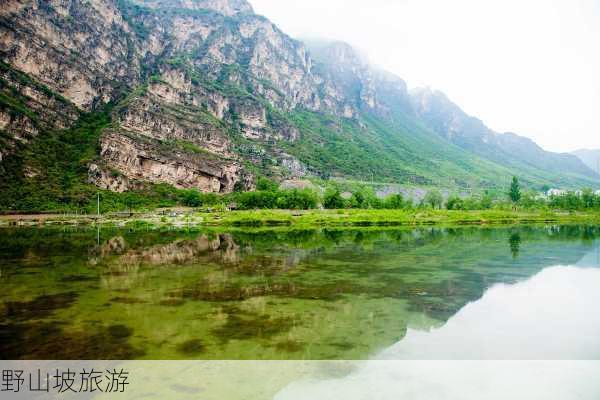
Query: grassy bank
[(312, 218)]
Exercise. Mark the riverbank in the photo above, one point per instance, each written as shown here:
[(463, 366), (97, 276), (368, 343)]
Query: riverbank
[(310, 218)]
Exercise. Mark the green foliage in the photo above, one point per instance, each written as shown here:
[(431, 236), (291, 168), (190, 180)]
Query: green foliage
[(256, 200), (333, 199), (531, 200), (475, 202), (573, 201), (486, 202), (434, 199), (515, 190), (194, 198), (365, 198), (397, 150), (588, 199), (51, 171), (264, 184), (295, 199), (455, 203), (396, 202)]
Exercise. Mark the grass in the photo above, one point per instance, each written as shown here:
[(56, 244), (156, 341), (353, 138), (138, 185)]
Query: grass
[(315, 218), (391, 217)]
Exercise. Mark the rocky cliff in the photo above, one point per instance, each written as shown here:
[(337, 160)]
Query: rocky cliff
[(182, 72)]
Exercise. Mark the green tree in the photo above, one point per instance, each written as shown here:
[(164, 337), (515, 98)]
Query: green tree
[(358, 200), (455, 203), (266, 185), (395, 202), (515, 190), (296, 199), (192, 198), (434, 198), (588, 198), (515, 244), (486, 201), (333, 199)]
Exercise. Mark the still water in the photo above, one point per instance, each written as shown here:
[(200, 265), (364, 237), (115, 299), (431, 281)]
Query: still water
[(527, 293)]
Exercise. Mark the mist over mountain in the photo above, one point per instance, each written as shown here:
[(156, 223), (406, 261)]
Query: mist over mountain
[(591, 158), (470, 133), (122, 94)]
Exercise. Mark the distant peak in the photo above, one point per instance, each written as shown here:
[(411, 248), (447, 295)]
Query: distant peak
[(335, 51), (427, 92)]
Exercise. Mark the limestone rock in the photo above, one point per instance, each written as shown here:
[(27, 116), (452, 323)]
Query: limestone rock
[(142, 159)]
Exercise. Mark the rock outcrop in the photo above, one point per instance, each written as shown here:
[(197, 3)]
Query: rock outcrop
[(140, 159)]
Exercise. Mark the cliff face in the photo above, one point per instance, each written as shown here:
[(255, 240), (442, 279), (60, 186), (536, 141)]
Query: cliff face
[(28, 108), (192, 70), (83, 52), (354, 84)]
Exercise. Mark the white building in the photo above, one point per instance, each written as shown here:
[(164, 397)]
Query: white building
[(556, 192)]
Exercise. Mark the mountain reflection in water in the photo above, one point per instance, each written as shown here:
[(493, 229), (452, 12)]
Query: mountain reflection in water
[(325, 294), (549, 322)]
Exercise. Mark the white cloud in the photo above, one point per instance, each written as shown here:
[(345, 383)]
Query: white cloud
[(530, 67)]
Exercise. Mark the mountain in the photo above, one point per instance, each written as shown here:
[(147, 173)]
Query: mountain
[(508, 149), (591, 158), (125, 95)]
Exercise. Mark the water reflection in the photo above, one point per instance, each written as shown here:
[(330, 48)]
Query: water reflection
[(269, 294), (551, 316), (515, 244)]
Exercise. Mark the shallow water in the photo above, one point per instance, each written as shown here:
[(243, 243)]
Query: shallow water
[(429, 293)]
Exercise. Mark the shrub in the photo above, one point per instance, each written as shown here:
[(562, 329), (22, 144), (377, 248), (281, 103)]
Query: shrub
[(304, 199), (267, 185), (194, 198), (333, 199), (455, 203), (395, 202), (259, 199)]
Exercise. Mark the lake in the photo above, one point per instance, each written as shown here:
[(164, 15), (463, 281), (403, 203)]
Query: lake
[(468, 293)]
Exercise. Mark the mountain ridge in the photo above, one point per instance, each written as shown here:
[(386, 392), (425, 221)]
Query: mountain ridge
[(206, 94), (591, 157), (449, 120)]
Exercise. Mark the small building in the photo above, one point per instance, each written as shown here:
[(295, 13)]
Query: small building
[(556, 192)]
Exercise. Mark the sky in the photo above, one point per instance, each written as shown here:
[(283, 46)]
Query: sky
[(531, 67)]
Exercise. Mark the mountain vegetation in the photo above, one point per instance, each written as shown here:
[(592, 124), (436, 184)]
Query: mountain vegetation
[(156, 103)]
